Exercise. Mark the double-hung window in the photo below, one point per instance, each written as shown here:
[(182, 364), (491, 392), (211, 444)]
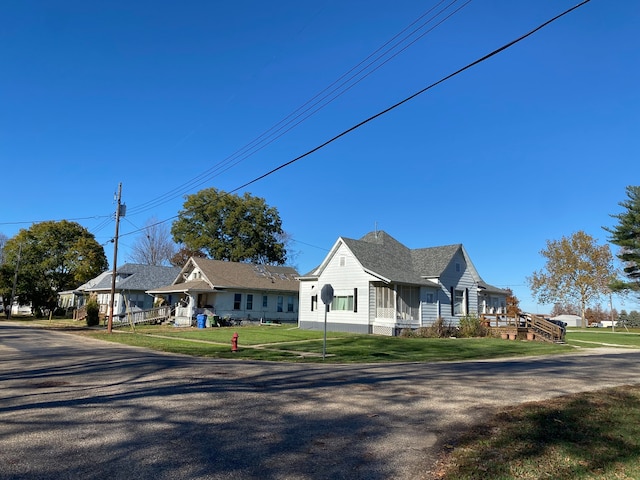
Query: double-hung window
[(249, 301)]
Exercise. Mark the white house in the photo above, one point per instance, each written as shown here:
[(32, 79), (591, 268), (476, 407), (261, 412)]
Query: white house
[(380, 286), (233, 291), (132, 282)]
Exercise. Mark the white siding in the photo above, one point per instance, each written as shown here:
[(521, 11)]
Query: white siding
[(344, 273), (459, 280), (223, 305), (429, 310)]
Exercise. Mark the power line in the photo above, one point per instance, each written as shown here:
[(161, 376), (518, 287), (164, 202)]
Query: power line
[(396, 105), (53, 220), (411, 97), (329, 94)]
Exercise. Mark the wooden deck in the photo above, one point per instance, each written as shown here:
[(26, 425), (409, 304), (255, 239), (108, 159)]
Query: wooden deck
[(525, 327)]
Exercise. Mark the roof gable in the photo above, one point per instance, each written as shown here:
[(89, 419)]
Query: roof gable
[(223, 274), (383, 256)]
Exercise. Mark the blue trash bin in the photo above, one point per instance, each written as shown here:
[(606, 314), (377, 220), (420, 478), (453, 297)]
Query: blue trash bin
[(202, 319)]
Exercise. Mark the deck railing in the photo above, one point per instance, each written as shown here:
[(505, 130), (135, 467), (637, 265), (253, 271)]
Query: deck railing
[(545, 329), (542, 328), (80, 313), (154, 315)]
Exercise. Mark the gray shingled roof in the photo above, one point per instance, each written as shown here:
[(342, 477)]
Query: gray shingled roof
[(139, 277), (380, 253)]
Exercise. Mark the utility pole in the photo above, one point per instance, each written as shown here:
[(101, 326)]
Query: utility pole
[(613, 326), (119, 212), (15, 282)]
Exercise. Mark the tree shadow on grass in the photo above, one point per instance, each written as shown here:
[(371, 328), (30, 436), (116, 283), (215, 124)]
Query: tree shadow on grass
[(583, 435)]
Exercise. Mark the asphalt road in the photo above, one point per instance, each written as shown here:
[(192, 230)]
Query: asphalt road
[(78, 408)]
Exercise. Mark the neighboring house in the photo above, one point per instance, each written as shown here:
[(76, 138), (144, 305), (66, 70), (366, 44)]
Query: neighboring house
[(72, 299), (132, 282), (569, 319), (380, 286), (232, 290)]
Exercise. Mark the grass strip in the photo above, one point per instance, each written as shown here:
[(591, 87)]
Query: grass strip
[(593, 435)]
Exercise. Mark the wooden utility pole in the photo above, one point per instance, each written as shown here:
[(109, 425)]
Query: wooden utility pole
[(115, 260), (15, 282)]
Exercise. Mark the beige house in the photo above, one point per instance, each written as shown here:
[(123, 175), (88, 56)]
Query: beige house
[(233, 291)]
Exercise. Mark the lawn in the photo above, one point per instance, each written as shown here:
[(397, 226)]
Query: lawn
[(287, 343), (594, 435), (596, 337)]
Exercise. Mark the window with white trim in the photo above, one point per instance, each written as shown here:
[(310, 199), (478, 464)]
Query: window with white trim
[(458, 302), (342, 302)]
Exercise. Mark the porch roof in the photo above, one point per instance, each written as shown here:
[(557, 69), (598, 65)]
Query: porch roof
[(195, 286)]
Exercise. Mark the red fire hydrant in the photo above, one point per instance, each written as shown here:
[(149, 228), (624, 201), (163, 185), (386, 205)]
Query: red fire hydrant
[(234, 342)]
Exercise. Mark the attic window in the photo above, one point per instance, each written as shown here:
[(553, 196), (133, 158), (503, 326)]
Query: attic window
[(343, 260), (458, 267)]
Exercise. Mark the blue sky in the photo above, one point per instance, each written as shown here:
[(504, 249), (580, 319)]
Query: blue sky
[(536, 143)]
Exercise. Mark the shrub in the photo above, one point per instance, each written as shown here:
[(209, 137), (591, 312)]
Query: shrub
[(472, 326), (93, 313), (439, 329), (407, 332)]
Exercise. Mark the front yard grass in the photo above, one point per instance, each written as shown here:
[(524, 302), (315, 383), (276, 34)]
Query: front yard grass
[(292, 344)]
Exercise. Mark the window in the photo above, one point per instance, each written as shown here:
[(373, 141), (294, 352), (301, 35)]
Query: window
[(237, 301), (289, 304), (279, 304), (249, 301), (136, 300), (458, 267), (430, 297), (344, 302), (314, 303), (343, 261), (264, 301), (458, 302)]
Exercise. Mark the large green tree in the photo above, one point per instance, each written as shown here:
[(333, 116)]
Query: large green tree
[(50, 257), (229, 227), (577, 270), (626, 235)]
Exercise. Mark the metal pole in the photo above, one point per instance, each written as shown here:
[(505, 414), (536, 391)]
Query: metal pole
[(115, 262), (324, 342)]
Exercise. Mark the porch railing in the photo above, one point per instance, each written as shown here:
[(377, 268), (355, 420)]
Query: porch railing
[(154, 315), (541, 327)]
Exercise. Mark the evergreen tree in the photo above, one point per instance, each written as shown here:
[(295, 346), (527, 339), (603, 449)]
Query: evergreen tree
[(626, 235)]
